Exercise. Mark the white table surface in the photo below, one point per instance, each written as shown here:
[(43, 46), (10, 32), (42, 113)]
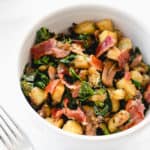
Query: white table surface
[(16, 17)]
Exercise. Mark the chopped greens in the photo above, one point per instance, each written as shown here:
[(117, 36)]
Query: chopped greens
[(43, 34), (41, 80), (26, 87), (85, 91), (68, 59), (74, 74), (137, 84)]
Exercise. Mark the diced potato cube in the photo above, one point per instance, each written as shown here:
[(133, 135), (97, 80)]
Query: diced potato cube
[(45, 111), (81, 62), (86, 27), (146, 79), (56, 122), (128, 86), (113, 53), (117, 120), (93, 77), (83, 74), (118, 94), (98, 97), (125, 44), (107, 33), (88, 109), (58, 93), (38, 96), (115, 96), (105, 24), (135, 75), (73, 126)]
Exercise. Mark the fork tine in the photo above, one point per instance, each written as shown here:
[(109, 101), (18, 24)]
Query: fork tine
[(20, 134), (5, 142), (6, 133)]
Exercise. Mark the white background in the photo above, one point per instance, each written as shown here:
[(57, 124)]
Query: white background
[(16, 17)]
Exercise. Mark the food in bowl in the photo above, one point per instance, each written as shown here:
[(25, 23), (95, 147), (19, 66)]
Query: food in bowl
[(89, 81)]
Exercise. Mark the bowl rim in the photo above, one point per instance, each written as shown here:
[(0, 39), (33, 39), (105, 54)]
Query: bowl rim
[(58, 130)]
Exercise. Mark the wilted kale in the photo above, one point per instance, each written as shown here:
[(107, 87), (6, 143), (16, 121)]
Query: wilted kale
[(64, 38), (41, 80), (74, 74), (72, 101), (85, 91), (26, 87), (45, 60), (68, 59), (103, 108), (43, 34)]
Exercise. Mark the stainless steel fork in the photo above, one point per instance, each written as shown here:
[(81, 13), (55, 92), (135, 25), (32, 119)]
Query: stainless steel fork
[(11, 136)]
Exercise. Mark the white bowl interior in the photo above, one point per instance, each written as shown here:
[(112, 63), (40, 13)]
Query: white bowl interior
[(60, 21)]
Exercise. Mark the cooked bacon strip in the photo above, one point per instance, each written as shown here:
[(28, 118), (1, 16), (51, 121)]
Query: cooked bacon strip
[(136, 110), (95, 62), (105, 45), (62, 70), (136, 61), (48, 47), (51, 86), (108, 73), (43, 48), (123, 58), (127, 75), (77, 114), (147, 94), (69, 86), (75, 92)]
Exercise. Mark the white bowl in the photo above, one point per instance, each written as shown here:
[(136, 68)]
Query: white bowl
[(60, 21)]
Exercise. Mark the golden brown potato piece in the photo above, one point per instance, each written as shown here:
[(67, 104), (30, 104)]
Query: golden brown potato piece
[(81, 62), (115, 96), (113, 53), (105, 24), (117, 120), (38, 96), (43, 67), (86, 27), (93, 77), (45, 111), (106, 33), (135, 75), (56, 122), (125, 44), (128, 86), (73, 126), (58, 93)]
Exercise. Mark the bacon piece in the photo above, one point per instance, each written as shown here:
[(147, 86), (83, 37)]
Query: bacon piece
[(123, 58), (51, 86), (127, 75), (95, 62), (51, 72), (136, 110), (136, 61), (147, 94), (75, 92), (48, 47), (62, 70), (108, 73), (105, 45), (43, 48), (69, 86), (77, 114)]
